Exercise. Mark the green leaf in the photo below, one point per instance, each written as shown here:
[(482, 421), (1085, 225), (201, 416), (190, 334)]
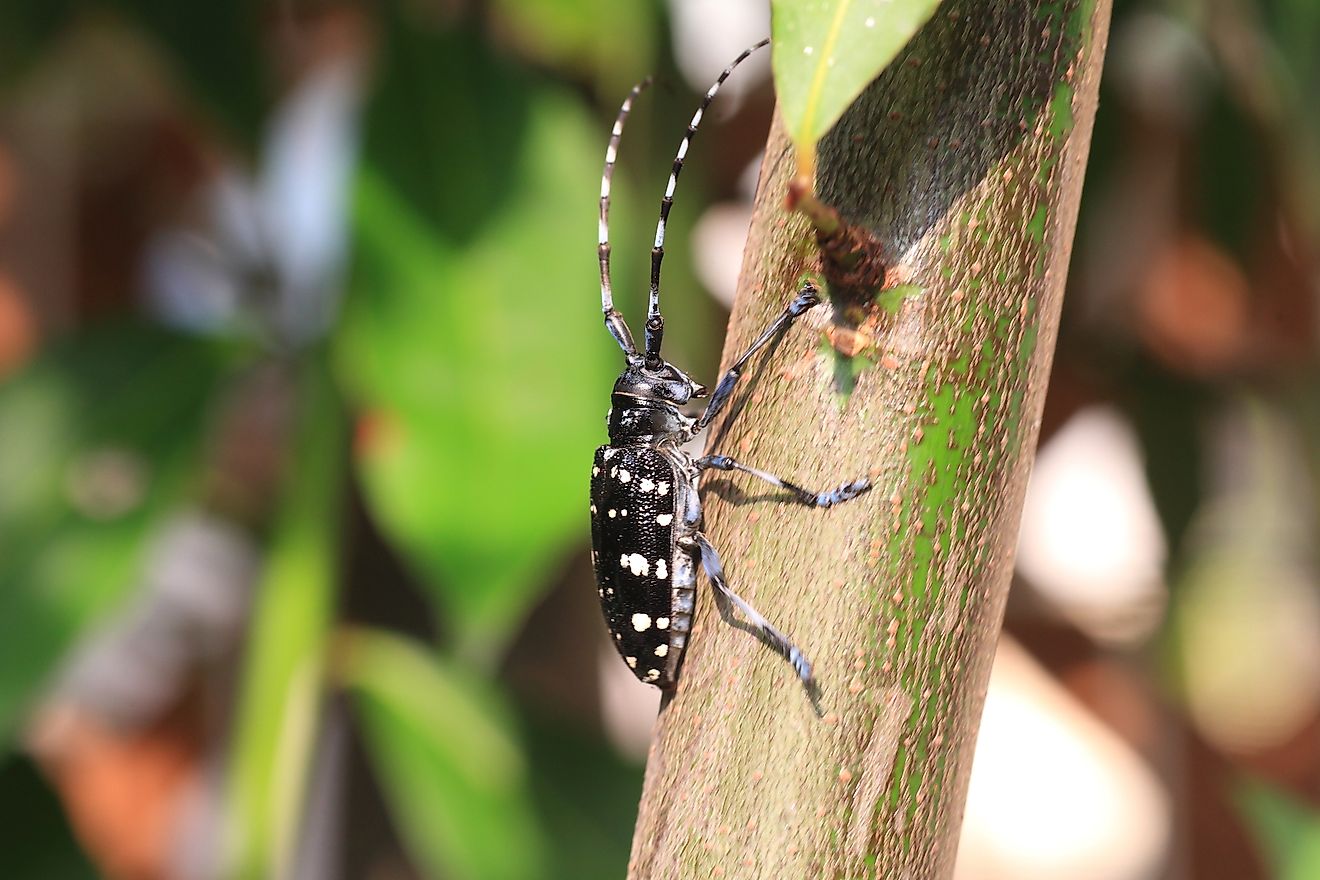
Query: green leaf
[(219, 51), (452, 774), (473, 339), (611, 43), (283, 677), (587, 796), (827, 51), (1287, 829), (98, 443)]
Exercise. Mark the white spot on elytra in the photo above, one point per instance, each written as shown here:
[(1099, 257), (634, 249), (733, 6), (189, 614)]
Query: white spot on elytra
[(632, 662), (637, 564), (593, 509), (652, 674), (623, 561), (623, 512), (624, 476), (612, 513), (662, 650), (641, 622), (664, 519), (660, 570), (662, 623), (646, 484), (595, 471), (661, 488)]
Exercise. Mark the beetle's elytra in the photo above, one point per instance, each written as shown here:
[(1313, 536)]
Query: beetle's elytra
[(646, 521)]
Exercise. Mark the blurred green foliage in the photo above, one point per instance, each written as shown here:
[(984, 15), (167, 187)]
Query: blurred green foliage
[(462, 393), (470, 341), (100, 443)]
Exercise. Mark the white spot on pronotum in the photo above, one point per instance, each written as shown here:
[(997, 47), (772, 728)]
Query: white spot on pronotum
[(662, 650), (662, 623), (660, 570), (623, 561), (608, 454), (641, 622), (632, 662), (646, 485), (664, 519), (637, 564), (624, 476), (618, 637), (612, 513), (661, 488), (593, 510)]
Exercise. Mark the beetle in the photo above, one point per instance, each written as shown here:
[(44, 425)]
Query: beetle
[(646, 516)]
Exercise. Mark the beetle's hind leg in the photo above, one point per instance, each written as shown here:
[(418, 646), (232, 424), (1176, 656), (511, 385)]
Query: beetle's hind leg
[(845, 492), (726, 600)]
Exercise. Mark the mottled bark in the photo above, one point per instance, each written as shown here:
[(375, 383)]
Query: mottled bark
[(966, 159)]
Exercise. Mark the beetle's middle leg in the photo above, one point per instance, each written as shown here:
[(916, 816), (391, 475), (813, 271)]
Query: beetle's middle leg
[(845, 492), (726, 600)]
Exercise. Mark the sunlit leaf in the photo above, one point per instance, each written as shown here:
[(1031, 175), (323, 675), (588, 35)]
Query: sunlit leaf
[(451, 772), (473, 338), (827, 51), (98, 443), (283, 671)]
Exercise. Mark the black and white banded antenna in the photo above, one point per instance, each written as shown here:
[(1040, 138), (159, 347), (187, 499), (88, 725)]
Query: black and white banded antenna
[(655, 323), (613, 319)]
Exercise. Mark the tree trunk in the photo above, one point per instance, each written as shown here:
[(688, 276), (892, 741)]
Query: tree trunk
[(965, 158)]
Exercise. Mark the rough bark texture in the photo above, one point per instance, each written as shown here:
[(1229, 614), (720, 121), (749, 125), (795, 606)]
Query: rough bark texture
[(966, 159)]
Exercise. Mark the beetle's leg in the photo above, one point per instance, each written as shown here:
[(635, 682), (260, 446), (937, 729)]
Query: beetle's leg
[(846, 492), (807, 298), (726, 600)]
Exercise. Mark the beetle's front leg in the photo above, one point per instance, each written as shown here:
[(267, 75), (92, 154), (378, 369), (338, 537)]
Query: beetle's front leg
[(808, 297)]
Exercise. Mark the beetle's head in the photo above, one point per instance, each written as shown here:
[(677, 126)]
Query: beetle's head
[(663, 383)]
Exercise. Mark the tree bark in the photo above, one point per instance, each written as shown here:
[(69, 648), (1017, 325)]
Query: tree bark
[(965, 158)]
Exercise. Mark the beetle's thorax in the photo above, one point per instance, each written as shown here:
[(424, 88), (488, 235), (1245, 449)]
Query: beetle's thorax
[(644, 407)]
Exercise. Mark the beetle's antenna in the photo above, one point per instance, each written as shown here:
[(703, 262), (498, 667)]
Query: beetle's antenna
[(655, 324), (613, 319)]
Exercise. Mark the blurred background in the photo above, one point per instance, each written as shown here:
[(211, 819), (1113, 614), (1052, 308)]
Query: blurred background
[(301, 367)]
